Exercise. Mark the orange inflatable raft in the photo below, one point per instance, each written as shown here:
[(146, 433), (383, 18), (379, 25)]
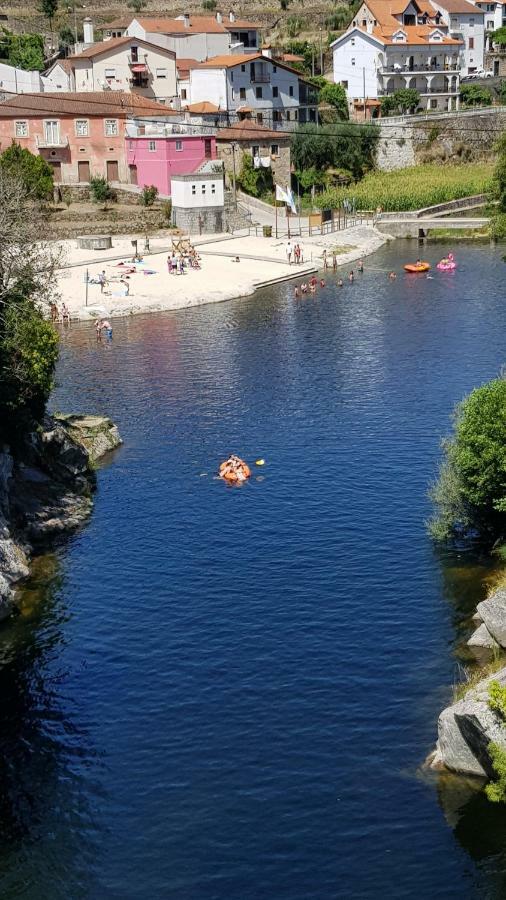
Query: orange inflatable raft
[(234, 470), (417, 267)]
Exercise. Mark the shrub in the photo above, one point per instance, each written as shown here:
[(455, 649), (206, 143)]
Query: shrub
[(342, 146), (497, 698), (100, 189), (496, 790), (475, 95), (35, 174), (148, 195), (209, 5), (470, 494), (498, 227), (335, 96), (167, 210), (254, 181), (26, 51), (401, 101)]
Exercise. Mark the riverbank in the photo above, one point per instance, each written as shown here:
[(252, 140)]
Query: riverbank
[(262, 262), (46, 488)]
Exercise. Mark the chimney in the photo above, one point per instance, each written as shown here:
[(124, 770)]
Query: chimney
[(231, 16), (88, 31), (219, 17), (186, 20)]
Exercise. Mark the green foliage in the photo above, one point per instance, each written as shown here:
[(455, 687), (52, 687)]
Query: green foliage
[(148, 195), (344, 146), (306, 50), (136, 5), (28, 354), (210, 5), (294, 25), (498, 227), (167, 210), (308, 178), (34, 172), (66, 37), (100, 189), (415, 187), (254, 181), (48, 9), (335, 95), (497, 698), (496, 790), (499, 37), (470, 494), (399, 102), (500, 173), (475, 95), (25, 51), (339, 19)]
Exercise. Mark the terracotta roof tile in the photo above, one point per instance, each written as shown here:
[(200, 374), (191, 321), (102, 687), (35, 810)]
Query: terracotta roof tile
[(198, 25), (90, 103), (205, 107), (250, 131)]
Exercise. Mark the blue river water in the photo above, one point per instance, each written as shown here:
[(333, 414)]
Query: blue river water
[(216, 693)]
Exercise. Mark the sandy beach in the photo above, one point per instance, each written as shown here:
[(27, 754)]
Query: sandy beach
[(262, 261)]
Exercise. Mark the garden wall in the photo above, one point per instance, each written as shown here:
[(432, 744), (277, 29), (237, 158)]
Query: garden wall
[(457, 138)]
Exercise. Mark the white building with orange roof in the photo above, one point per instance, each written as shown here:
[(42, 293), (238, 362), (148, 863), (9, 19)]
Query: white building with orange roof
[(465, 20), (198, 37), (394, 44)]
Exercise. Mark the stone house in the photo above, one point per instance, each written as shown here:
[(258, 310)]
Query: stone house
[(271, 149)]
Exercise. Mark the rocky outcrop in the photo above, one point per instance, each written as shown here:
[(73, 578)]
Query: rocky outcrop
[(465, 730), (46, 489), (491, 619)]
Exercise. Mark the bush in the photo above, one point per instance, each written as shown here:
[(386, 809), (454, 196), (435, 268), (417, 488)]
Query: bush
[(415, 187), (35, 174), (399, 102), (100, 189), (209, 5), (342, 146), (167, 210), (470, 494), (25, 51), (496, 790), (475, 95), (148, 195), (498, 227), (254, 181), (497, 698)]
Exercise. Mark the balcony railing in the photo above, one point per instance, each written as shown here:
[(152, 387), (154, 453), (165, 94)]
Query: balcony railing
[(47, 142), (260, 78), (418, 68)]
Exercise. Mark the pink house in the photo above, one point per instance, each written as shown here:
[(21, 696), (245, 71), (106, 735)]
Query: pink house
[(154, 157)]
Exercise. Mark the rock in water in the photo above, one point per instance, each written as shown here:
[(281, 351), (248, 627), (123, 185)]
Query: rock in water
[(493, 613), (482, 638), (97, 434)]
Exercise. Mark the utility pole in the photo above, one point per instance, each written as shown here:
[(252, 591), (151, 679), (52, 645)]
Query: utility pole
[(363, 87), (321, 52), (87, 279), (234, 188), (312, 60)]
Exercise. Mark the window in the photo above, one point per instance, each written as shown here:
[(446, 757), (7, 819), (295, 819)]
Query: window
[(352, 42), (274, 150), (194, 189), (260, 118), (471, 23), (21, 129), (111, 127), (274, 69), (203, 188), (179, 145), (353, 61), (364, 23), (258, 93), (82, 127), (231, 76), (296, 115), (243, 68), (471, 43), (52, 131), (276, 116), (213, 188), (242, 93), (255, 151), (161, 73), (288, 115), (490, 24), (135, 54), (183, 94), (345, 85), (152, 146), (291, 90), (110, 73)]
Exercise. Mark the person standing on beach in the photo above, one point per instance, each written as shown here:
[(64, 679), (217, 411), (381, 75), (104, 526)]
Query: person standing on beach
[(289, 252), (334, 261), (102, 281), (325, 260)]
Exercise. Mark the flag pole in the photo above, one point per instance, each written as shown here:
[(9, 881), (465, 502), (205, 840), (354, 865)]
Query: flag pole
[(276, 208)]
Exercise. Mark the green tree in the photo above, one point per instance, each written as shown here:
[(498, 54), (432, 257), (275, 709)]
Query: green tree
[(475, 95), (25, 51), (254, 181), (148, 195), (33, 171), (334, 95), (100, 190), (470, 493), (496, 790), (209, 5), (48, 9), (341, 146), (500, 172), (499, 37), (136, 5), (399, 102)]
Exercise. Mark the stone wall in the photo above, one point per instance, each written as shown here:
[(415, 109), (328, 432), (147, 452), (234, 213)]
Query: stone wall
[(280, 164), (455, 138), (199, 220)]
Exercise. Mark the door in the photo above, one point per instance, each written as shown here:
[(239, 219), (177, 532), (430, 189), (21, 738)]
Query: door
[(496, 67), (52, 132), (133, 174), (56, 167), (112, 170), (83, 171), (207, 148)]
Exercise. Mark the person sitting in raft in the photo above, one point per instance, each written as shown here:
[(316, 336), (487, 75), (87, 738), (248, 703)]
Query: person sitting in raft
[(234, 469), (418, 262)]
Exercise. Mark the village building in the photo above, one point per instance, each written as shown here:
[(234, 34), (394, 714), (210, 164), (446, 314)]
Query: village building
[(465, 22), (126, 64), (78, 134), (198, 37), (255, 87), (198, 200), (267, 148), (156, 151), (183, 67), (58, 77), (384, 51)]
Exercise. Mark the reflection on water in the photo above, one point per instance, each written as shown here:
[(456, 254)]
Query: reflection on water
[(218, 693)]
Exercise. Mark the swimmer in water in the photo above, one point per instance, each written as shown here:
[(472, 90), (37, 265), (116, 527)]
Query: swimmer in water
[(360, 265), (340, 282), (392, 276), (351, 277), (322, 283)]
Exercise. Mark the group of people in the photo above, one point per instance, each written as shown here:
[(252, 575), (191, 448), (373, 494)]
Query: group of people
[(178, 263), (295, 251), (60, 315), (234, 469), (103, 326), (310, 287)]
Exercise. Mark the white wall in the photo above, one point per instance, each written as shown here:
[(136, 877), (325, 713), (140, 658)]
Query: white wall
[(209, 84), (467, 25), (90, 74), (57, 80), (184, 196), (18, 81), (355, 57), (192, 46)]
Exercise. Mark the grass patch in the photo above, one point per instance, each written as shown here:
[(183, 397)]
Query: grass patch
[(475, 675), (459, 234), (413, 188)]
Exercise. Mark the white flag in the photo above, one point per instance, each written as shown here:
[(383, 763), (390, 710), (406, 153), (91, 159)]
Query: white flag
[(291, 201), (281, 194)]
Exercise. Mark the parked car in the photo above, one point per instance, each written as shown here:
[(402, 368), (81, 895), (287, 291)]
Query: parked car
[(480, 73)]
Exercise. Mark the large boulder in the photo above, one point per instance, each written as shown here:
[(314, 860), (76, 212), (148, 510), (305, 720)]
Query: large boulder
[(466, 728), (97, 434), (493, 613), (481, 638)]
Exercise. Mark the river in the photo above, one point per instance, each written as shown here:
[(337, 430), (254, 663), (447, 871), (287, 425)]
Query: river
[(218, 693)]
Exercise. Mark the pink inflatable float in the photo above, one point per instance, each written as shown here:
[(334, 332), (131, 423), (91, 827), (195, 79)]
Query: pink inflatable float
[(447, 264)]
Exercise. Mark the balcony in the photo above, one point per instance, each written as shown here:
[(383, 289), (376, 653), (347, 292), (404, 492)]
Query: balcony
[(55, 142), (260, 78), (418, 69)]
